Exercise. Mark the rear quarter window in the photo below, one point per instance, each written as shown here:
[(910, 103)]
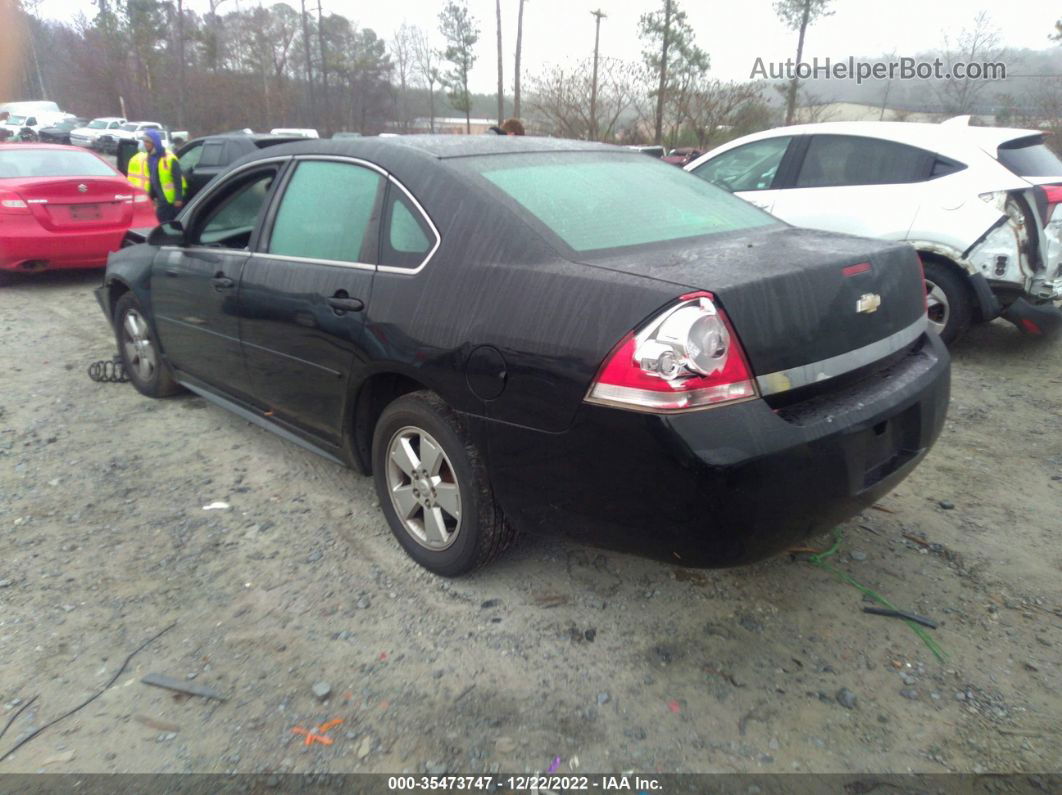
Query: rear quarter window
[(600, 201), (1030, 157)]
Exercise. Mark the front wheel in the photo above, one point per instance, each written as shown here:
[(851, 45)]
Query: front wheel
[(139, 349), (949, 301), (433, 487)]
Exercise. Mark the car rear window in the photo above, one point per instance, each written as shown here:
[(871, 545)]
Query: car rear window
[(1030, 157), (596, 201), (52, 163)]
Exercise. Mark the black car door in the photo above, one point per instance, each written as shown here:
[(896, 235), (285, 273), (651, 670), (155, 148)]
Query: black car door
[(304, 291), (194, 286)]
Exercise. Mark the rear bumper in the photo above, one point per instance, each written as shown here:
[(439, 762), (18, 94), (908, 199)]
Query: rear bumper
[(724, 486), (46, 250)]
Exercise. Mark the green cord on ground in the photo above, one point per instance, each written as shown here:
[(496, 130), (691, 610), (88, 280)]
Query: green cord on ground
[(820, 561)]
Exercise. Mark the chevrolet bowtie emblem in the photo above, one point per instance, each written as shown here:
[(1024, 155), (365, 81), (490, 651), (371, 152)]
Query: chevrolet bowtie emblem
[(868, 302)]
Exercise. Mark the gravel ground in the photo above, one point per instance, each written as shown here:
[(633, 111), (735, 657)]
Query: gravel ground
[(299, 607)]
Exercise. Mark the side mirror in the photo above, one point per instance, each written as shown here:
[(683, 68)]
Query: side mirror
[(170, 233)]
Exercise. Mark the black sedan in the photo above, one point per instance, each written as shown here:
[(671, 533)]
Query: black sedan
[(202, 159), (60, 133), (540, 335)]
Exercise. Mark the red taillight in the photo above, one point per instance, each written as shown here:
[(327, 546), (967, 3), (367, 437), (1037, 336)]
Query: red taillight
[(1053, 194), (687, 357), (12, 203)]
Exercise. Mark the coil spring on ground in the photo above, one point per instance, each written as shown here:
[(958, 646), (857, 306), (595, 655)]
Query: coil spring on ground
[(108, 371)]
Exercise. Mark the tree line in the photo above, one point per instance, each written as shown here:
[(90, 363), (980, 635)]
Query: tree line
[(295, 65)]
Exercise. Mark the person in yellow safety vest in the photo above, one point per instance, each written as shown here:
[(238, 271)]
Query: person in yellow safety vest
[(158, 172)]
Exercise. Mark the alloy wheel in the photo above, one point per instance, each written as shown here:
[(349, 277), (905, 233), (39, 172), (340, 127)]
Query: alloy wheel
[(938, 308), (139, 352), (423, 488)]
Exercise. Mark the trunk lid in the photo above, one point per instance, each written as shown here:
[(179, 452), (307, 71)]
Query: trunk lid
[(64, 203), (798, 297)]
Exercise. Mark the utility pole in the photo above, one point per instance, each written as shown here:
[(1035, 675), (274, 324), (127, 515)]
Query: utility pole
[(309, 63), (598, 16)]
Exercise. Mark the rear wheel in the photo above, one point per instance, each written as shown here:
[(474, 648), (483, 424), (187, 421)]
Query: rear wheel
[(949, 300), (433, 487), (139, 350)]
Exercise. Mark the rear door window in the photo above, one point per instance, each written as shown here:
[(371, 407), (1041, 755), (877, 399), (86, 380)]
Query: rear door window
[(212, 153), (753, 166), (189, 159), (407, 238), (326, 211), (837, 160), (1029, 157)]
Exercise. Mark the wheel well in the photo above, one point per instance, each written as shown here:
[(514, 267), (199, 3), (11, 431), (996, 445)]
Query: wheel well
[(115, 291), (958, 270), (373, 397)]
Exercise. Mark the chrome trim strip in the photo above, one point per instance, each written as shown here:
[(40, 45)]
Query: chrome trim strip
[(361, 266), (796, 377)]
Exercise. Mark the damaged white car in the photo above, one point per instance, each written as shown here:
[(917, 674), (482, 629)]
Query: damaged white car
[(980, 205)]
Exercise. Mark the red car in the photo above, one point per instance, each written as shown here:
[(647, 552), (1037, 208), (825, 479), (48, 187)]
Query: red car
[(63, 207)]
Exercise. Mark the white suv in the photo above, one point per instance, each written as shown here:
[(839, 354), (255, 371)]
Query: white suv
[(87, 135), (978, 204)]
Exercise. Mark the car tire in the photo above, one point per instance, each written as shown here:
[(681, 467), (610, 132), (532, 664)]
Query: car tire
[(433, 487), (138, 347), (950, 301)]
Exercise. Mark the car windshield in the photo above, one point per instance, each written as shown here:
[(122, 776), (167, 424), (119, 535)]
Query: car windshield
[(52, 163), (128, 127), (1030, 157), (603, 200), (97, 124), (16, 119), (69, 124)]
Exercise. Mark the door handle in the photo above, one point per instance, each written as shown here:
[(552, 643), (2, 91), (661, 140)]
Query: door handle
[(342, 303), (222, 282)]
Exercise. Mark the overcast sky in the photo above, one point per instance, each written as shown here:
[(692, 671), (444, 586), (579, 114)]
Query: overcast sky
[(556, 31)]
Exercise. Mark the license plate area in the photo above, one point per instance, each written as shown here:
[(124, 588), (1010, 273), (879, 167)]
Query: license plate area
[(884, 447), (85, 212)]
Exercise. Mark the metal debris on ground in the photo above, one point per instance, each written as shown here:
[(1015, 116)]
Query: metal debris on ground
[(179, 686), (888, 612), (108, 371)]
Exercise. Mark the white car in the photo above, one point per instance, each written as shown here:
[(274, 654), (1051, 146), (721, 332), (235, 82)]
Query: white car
[(295, 132), (27, 125), (130, 131), (979, 204), (86, 136)]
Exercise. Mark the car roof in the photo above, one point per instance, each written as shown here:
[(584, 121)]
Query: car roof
[(437, 146), (938, 137)]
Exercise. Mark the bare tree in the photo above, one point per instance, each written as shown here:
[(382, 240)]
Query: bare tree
[(402, 57), (426, 63), (977, 44), (516, 68), (717, 105), (308, 53), (799, 15), (561, 94)]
